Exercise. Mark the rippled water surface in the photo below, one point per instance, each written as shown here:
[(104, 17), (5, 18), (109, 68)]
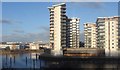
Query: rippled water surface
[(31, 60)]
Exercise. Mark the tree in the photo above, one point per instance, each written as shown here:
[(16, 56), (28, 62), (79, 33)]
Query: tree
[(81, 44), (7, 48)]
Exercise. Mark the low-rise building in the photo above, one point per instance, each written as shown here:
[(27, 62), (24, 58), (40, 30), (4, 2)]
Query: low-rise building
[(10, 46), (37, 46), (34, 46)]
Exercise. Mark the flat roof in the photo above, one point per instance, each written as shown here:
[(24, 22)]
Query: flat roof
[(90, 23), (56, 5), (108, 17)]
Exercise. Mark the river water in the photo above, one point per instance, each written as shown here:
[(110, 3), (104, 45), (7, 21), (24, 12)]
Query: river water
[(31, 60), (28, 60)]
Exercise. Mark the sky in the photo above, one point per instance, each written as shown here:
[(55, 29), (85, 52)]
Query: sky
[(29, 21)]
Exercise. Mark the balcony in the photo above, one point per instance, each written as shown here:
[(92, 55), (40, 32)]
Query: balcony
[(63, 7), (63, 21), (51, 11), (63, 11), (51, 20), (51, 17), (63, 15), (52, 14), (51, 26), (101, 24)]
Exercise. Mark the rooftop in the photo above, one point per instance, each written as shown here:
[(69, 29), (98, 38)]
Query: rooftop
[(109, 17), (56, 5)]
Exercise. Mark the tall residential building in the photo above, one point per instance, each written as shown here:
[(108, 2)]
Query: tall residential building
[(64, 31), (108, 34), (73, 33), (90, 35), (58, 26)]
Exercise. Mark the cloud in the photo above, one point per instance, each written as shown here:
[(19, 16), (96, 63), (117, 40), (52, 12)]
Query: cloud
[(27, 37), (21, 36), (8, 21), (90, 5), (95, 5), (83, 7), (44, 28), (18, 31)]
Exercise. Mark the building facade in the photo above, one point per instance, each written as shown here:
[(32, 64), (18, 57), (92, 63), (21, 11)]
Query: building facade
[(108, 34), (90, 35), (64, 32), (58, 26), (73, 33)]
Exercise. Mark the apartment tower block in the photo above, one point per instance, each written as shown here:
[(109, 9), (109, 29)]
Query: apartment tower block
[(90, 35), (59, 29), (108, 34), (57, 26), (73, 33)]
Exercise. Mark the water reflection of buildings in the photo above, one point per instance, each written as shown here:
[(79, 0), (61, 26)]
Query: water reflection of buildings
[(33, 55), (80, 62), (84, 52)]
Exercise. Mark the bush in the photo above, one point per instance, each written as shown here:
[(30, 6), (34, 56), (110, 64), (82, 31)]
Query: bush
[(7, 48)]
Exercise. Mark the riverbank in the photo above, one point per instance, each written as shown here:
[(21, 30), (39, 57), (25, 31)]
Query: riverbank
[(19, 51)]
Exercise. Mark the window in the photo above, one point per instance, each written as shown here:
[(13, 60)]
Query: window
[(119, 40), (112, 43)]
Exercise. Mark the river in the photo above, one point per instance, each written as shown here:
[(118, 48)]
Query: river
[(31, 60), (26, 60)]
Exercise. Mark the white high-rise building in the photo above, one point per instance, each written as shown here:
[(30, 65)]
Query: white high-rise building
[(90, 35), (64, 32), (73, 33), (57, 27), (108, 34)]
